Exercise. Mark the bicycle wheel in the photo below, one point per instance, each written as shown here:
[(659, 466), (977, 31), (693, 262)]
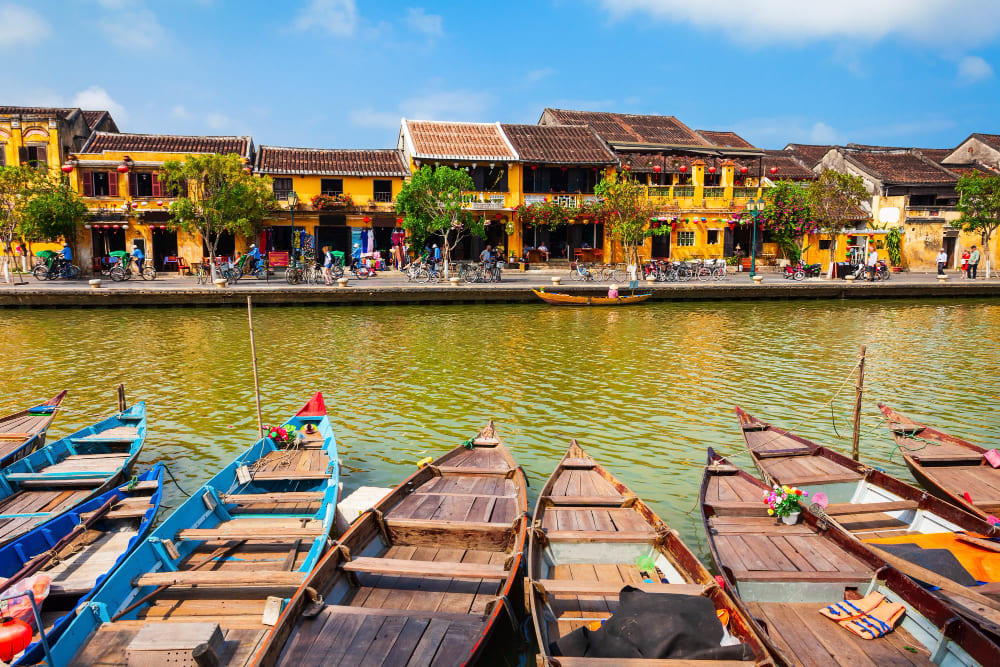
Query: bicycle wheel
[(575, 274), (719, 273), (40, 272), (72, 272), (292, 276), (117, 274), (421, 275), (470, 276), (618, 275), (148, 273)]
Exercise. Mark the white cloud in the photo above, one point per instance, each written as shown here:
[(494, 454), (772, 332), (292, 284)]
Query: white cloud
[(180, 112), (135, 29), (219, 121), (21, 26), (337, 17), (420, 21), (97, 98), (536, 75), (114, 4), (929, 21), (821, 133), (973, 68)]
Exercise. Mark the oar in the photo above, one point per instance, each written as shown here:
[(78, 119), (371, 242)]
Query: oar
[(981, 543)]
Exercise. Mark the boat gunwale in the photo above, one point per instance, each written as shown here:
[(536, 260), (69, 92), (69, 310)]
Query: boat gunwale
[(37, 439)]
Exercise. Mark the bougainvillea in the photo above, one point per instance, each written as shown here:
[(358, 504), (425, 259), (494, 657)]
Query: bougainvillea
[(787, 217), (330, 202)]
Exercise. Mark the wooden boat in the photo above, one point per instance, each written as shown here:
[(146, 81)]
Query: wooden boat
[(427, 576), (784, 574), (559, 299), (79, 548), (24, 432), (208, 572), (69, 471), (590, 533), (949, 467), (866, 502)]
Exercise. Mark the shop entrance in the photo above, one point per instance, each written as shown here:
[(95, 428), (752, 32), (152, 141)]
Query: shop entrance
[(225, 248), (164, 245), (103, 242), (338, 238), (661, 246)]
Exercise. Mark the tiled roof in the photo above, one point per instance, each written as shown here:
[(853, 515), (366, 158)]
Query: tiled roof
[(630, 128), (789, 166), (810, 154), (725, 139), (972, 168), (457, 141), (900, 166), (558, 144), (100, 120), (645, 163), (989, 139), (936, 154), (335, 162), (40, 111), (166, 143)]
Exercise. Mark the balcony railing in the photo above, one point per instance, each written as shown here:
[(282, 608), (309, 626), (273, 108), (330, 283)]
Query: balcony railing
[(659, 191), (714, 192), (484, 201), (744, 193), (567, 200), (683, 191), (382, 197)]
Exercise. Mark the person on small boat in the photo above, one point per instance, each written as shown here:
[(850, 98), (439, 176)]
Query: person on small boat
[(613, 292)]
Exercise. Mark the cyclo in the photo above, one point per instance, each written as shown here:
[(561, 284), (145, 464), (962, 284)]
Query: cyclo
[(125, 268), (51, 266), (259, 270)]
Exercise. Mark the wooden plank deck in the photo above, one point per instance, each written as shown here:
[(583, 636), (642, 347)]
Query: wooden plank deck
[(804, 470)]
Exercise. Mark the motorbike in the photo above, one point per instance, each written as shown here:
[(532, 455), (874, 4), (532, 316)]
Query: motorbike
[(801, 271)]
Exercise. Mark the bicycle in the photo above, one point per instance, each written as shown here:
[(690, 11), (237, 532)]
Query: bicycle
[(581, 272), (259, 270), (231, 272), (202, 273), (123, 271), (294, 274)]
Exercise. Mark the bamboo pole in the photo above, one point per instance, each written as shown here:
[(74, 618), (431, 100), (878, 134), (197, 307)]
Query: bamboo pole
[(122, 405), (858, 390), (256, 381)]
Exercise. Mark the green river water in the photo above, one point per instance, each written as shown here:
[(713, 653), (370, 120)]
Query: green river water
[(644, 390)]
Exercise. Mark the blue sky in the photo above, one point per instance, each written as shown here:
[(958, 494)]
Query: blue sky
[(341, 73)]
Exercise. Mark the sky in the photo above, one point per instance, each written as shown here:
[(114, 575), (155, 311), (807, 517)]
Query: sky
[(341, 73)]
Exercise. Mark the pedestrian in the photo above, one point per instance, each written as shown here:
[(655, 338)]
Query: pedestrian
[(965, 261), (973, 263), (139, 257), (327, 265), (872, 264), (356, 256), (942, 260)]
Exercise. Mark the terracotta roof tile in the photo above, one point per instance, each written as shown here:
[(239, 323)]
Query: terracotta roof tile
[(100, 120), (810, 154), (900, 166), (558, 144), (39, 111), (645, 163), (630, 128), (936, 154), (335, 162), (990, 139), (725, 139), (166, 143), (457, 141)]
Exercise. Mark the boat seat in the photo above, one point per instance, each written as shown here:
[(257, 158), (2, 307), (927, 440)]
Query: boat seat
[(290, 497), (600, 535), (141, 487), (931, 458), (16, 436), (228, 578), (812, 577), (578, 464), (607, 501), (403, 613), (565, 661), (422, 568), (871, 508), (249, 534), (609, 588), (775, 453), (290, 474), (755, 426), (468, 470)]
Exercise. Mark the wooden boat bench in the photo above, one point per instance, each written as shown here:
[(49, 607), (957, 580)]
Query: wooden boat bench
[(564, 661), (420, 568), (600, 535), (289, 497), (774, 453), (247, 534), (606, 501), (871, 508), (226, 578), (946, 458), (609, 588)]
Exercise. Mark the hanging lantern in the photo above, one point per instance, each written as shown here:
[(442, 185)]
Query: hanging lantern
[(159, 203), (67, 168), (163, 226), (657, 168), (773, 170), (732, 225), (366, 219), (703, 219), (628, 167), (673, 226), (683, 168), (534, 167), (123, 168), (563, 168), (712, 170), (743, 170), (114, 226), (399, 221), (15, 635), (498, 217)]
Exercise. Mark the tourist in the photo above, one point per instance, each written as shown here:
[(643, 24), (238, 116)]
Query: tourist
[(437, 254), (872, 264), (965, 261), (66, 254), (138, 256), (486, 256), (327, 265), (613, 292), (973, 263), (544, 251), (942, 260)]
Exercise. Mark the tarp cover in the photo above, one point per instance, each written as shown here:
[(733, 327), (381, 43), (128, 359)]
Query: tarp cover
[(654, 626), (939, 561)]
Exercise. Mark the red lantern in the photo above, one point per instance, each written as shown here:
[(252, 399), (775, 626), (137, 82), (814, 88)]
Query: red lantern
[(114, 226), (711, 170), (657, 168), (673, 226), (399, 221), (563, 168), (163, 226), (732, 225), (15, 635), (628, 167), (498, 217), (366, 219), (760, 227), (683, 169), (67, 168), (123, 168), (743, 170), (773, 170), (534, 167)]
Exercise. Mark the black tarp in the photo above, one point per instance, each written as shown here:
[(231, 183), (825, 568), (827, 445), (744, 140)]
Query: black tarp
[(939, 561)]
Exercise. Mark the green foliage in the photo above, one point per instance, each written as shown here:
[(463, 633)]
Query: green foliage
[(834, 198), (979, 204), (18, 186), (549, 214), (894, 245), (221, 196), (51, 213), (788, 216), (432, 203), (626, 212)]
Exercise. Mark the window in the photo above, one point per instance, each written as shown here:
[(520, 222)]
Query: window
[(282, 186), (712, 180), (100, 183), (685, 238), (144, 184), (824, 244), (330, 186), (3, 155), (35, 156), (382, 190), (712, 237)]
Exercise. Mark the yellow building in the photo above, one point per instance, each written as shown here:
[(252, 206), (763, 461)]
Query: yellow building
[(341, 196), (42, 136), (118, 176)]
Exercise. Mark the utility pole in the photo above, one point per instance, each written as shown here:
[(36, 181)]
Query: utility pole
[(858, 389)]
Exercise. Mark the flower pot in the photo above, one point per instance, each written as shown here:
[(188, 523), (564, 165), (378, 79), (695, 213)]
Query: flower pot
[(758, 279), (342, 282), (792, 518), (651, 279)]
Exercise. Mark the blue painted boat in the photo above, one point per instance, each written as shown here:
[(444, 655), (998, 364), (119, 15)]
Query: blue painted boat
[(90, 540), (228, 556), (24, 432), (69, 471)]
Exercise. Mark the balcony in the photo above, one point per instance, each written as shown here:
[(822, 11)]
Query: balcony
[(683, 191), (744, 193), (566, 200), (714, 192), (484, 201)]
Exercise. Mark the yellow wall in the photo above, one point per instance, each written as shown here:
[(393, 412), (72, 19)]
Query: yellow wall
[(30, 133)]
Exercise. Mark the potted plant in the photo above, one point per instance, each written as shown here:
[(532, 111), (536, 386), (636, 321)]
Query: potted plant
[(783, 502), (894, 248), (281, 435)]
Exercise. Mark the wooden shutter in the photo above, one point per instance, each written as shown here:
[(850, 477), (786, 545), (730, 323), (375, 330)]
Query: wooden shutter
[(22, 155), (157, 189), (88, 183), (133, 184), (112, 183), (42, 158)]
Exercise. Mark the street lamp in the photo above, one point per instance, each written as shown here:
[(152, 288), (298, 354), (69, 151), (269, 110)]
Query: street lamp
[(293, 200), (756, 207)]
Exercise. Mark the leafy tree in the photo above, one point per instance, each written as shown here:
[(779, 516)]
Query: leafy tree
[(834, 199), (218, 196), (18, 186), (979, 204), (431, 203), (787, 216), (626, 212), (53, 212)]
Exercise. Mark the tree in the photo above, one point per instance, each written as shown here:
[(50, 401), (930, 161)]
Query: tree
[(834, 199), (788, 217), (979, 204), (53, 212), (218, 195), (18, 185), (626, 212), (431, 203)]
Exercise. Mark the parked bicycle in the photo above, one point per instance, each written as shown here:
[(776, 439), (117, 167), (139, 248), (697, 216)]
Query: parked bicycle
[(482, 273), (581, 271), (125, 269)]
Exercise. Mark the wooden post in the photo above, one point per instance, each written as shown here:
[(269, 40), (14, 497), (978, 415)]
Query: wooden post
[(858, 389), (122, 405), (256, 381)]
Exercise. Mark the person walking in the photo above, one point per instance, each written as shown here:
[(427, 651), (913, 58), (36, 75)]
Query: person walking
[(139, 257), (965, 261), (327, 265), (942, 260), (872, 264), (973, 263)]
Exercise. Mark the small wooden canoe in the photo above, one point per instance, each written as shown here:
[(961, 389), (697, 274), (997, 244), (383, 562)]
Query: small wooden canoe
[(429, 575), (558, 299), (949, 467), (784, 574), (69, 471), (212, 567), (23, 432), (866, 502), (79, 548), (591, 536)]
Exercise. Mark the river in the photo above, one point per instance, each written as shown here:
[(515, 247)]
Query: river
[(644, 390)]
